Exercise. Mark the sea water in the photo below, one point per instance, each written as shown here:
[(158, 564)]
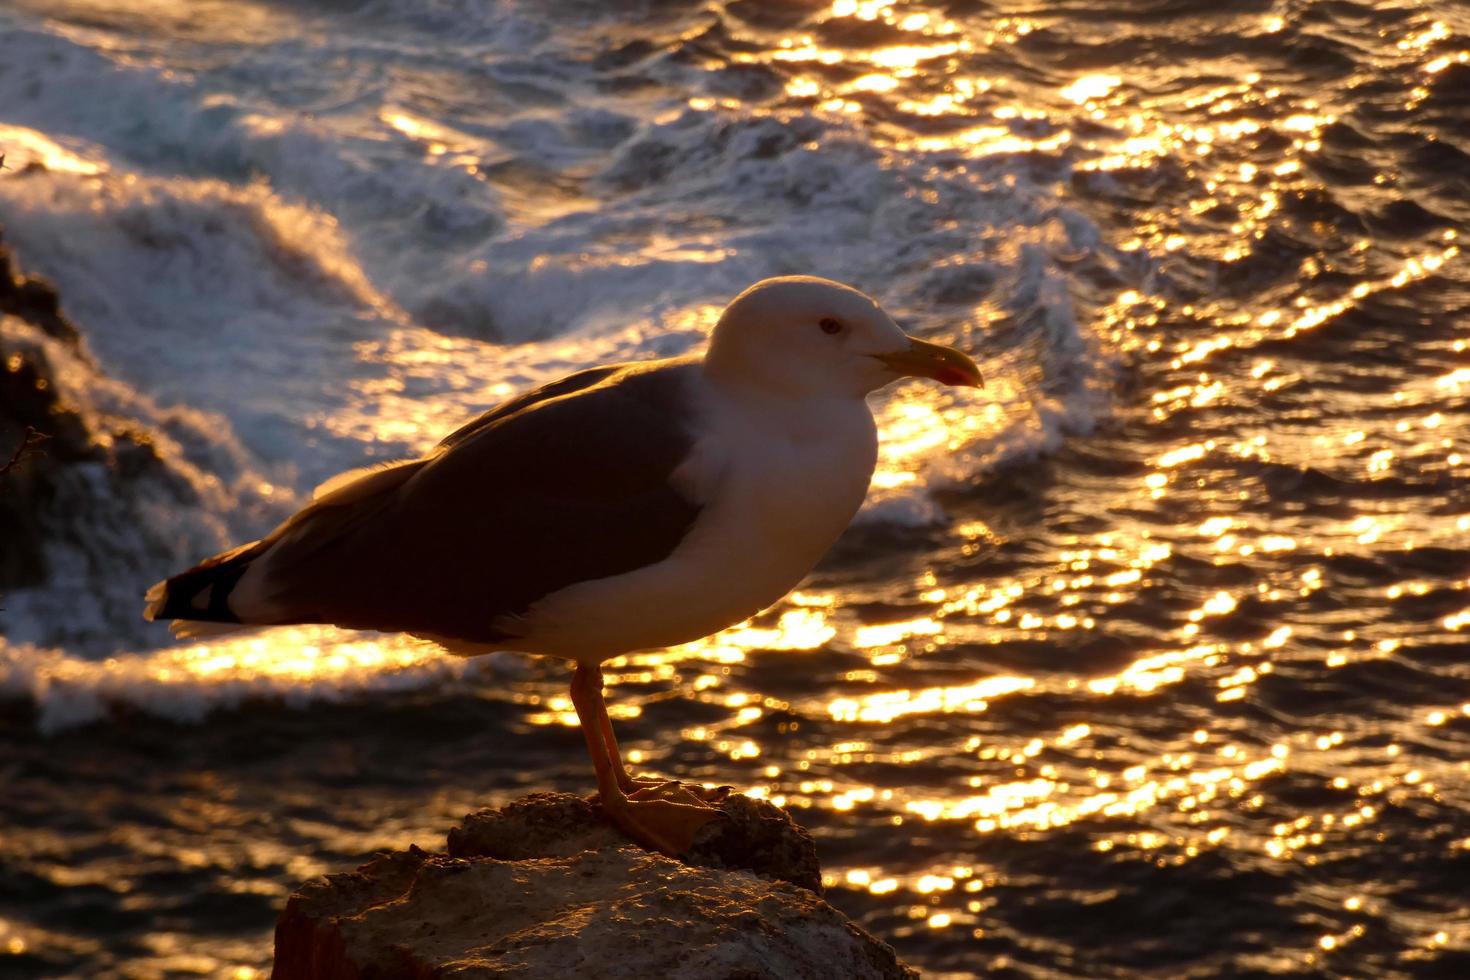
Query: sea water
[(1151, 657)]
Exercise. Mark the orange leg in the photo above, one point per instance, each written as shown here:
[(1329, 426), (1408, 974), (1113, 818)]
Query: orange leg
[(641, 786), (663, 825), (626, 781)]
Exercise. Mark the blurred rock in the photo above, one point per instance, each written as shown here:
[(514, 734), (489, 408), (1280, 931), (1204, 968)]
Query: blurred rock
[(31, 410), (70, 470), (34, 300), (544, 888), (110, 491)]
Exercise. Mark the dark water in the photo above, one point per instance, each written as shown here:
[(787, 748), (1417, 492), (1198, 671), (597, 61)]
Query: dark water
[(1152, 661)]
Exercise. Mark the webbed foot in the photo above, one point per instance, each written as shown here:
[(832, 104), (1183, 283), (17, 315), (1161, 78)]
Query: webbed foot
[(666, 819), (649, 787)]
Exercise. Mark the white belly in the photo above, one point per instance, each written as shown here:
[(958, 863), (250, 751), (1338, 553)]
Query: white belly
[(774, 506)]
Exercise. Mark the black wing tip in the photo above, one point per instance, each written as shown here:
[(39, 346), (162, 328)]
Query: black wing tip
[(200, 594)]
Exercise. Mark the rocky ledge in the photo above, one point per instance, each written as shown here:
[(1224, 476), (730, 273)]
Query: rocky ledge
[(543, 888)]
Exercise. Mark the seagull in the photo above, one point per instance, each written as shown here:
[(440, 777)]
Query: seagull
[(627, 507)]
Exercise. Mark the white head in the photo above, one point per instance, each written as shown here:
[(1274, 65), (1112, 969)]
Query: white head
[(800, 336)]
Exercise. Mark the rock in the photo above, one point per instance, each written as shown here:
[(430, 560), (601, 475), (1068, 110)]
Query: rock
[(755, 836), (33, 300), (109, 492), (544, 888), (37, 431)]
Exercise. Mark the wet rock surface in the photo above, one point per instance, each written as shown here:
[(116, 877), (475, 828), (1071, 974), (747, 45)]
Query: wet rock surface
[(544, 887)]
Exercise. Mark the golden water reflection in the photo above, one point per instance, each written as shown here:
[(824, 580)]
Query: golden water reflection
[(971, 701)]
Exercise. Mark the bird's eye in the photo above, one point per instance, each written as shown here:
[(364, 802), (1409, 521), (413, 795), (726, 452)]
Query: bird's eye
[(830, 325)]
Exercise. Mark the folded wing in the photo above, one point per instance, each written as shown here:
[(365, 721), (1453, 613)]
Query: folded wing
[(566, 484)]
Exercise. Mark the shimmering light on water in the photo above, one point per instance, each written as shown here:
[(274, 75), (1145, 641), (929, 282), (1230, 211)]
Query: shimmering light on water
[(1178, 605)]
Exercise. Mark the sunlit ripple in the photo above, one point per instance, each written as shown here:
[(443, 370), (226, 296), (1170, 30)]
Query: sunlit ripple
[(884, 706)]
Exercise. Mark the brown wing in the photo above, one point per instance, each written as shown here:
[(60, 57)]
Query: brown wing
[(537, 495)]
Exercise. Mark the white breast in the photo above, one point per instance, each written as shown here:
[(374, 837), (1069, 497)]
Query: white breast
[(778, 488)]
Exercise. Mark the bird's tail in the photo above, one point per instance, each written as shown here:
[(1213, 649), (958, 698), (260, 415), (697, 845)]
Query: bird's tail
[(198, 600)]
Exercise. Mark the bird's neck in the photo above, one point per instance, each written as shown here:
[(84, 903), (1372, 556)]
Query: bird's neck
[(802, 420)]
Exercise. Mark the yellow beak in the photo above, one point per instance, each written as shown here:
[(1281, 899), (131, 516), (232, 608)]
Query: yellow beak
[(946, 365)]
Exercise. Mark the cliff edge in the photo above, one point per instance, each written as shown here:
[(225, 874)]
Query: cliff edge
[(544, 888)]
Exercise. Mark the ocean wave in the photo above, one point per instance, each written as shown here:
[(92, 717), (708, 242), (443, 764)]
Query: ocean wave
[(294, 666), (201, 292)]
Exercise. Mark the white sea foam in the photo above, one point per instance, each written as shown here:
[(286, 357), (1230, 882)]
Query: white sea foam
[(293, 666)]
